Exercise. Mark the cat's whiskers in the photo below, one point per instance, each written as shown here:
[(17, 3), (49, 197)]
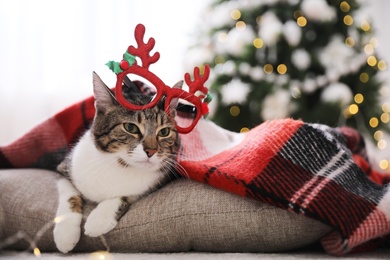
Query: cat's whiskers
[(99, 164), (181, 170), (137, 156), (173, 166)]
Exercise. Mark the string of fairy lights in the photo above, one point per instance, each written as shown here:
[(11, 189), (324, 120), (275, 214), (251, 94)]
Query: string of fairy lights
[(281, 69), (381, 65), (33, 242), (353, 108)]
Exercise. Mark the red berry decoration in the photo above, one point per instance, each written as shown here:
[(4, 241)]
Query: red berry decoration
[(205, 109), (124, 65)]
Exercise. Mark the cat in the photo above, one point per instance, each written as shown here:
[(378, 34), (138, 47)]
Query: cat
[(122, 157)]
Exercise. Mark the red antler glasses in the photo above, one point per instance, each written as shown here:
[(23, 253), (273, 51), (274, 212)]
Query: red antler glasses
[(190, 106)]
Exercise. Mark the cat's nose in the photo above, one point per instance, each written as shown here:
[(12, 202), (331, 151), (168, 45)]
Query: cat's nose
[(150, 152)]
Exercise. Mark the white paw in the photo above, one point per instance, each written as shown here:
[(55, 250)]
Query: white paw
[(67, 232), (99, 222)]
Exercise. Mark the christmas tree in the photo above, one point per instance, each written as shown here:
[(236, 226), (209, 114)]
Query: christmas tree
[(313, 60)]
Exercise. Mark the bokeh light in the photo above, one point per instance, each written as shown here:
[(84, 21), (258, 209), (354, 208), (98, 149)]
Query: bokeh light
[(301, 21), (282, 69), (344, 6), (258, 43), (358, 98), (234, 111), (235, 14), (348, 20), (268, 68)]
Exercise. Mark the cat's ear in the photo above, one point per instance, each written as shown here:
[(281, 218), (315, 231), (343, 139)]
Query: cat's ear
[(175, 101), (104, 97), (179, 84)]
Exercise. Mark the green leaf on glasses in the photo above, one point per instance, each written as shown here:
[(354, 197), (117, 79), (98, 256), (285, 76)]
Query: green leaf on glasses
[(114, 66)]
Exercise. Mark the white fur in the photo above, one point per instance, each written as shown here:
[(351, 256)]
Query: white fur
[(67, 229), (99, 176), (102, 218)]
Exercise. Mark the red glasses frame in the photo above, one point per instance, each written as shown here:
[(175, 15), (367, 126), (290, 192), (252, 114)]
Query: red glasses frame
[(161, 91), (197, 94)]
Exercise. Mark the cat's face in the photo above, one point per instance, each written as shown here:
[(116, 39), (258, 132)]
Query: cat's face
[(142, 139)]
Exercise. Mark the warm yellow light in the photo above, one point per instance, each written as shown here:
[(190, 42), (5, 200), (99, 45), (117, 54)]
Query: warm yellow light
[(37, 252), (58, 219), (374, 122), (219, 59), (385, 118), (371, 60), (235, 14), (365, 26), (223, 37), (258, 43), (235, 111), (348, 20), (353, 109), (240, 25), (301, 21), (382, 144), (384, 164), (268, 68), (378, 135), (369, 49), (359, 98), (282, 69), (202, 69), (382, 65), (364, 77), (100, 255), (349, 41), (344, 6), (244, 129), (386, 107)]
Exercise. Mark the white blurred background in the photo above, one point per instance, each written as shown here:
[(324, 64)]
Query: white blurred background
[(49, 48)]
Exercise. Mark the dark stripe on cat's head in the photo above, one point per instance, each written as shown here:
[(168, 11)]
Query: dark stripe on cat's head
[(111, 136)]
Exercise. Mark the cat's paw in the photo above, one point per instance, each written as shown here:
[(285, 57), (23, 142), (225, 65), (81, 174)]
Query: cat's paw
[(99, 222), (67, 232)]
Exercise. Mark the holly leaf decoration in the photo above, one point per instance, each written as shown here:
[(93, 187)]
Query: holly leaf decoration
[(114, 66), (129, 58)]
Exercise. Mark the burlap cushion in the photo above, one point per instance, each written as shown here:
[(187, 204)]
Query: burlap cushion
[(182, 216)]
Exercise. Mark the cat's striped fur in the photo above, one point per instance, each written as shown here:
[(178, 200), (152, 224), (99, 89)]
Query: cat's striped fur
[(123, 156)]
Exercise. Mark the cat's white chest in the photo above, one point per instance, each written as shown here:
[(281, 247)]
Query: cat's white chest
[(99, 176)]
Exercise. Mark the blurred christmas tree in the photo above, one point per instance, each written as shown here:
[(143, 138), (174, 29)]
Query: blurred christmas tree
[(313, 60)]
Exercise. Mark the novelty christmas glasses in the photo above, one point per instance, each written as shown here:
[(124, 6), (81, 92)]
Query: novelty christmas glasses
[(190, 106)]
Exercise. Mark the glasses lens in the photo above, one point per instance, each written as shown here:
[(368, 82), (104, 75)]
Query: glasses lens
[(138, 92), (185, 112)]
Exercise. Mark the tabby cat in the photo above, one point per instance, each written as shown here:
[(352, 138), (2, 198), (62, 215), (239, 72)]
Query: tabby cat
[(122, 157)]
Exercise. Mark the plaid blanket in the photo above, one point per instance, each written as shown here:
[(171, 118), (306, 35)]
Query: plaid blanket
[(310, 169)]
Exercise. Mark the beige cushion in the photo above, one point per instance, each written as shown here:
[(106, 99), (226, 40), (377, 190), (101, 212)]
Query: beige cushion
[(182, 216), (2, 220)]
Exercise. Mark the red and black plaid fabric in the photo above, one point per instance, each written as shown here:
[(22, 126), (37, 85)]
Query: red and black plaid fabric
[(310, 169)]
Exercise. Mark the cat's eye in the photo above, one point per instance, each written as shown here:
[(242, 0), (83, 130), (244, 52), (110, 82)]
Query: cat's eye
[(164, 132), (131, 128)]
